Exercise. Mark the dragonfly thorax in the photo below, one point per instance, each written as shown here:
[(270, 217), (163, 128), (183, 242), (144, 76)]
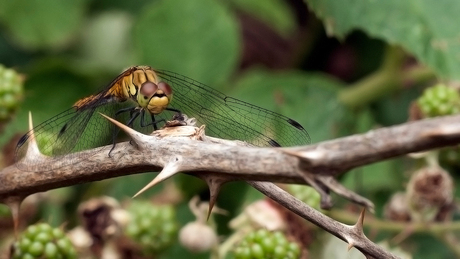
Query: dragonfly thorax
[(154, 97)]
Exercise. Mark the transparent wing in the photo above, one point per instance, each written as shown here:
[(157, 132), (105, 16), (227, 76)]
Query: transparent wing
[(229, 118), (72, 131)]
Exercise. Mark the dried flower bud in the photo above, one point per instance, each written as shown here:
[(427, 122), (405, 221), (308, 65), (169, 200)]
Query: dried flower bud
[(198, 237), (100, 217), (82, 241), (396, 209), (260, 214), (428, 190)]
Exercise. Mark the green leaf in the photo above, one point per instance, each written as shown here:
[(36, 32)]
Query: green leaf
[(308, 98), (374, 177), (127, 6), (43, 96), (199, 39), (275, 13), (387, 111), (42, 24), (106, 44), (426, 28)]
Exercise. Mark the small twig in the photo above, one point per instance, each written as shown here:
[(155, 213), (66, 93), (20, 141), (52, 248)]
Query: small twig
[(436, 228), (393, 75)]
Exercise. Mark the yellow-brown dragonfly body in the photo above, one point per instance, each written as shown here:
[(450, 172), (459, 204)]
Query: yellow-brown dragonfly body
[(140, 84)]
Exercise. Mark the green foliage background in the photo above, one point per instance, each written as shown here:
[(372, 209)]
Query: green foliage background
[(344, 75)]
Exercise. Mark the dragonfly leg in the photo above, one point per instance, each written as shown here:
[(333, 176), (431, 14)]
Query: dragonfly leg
[(133, 114), (153, 123), (129, 109)]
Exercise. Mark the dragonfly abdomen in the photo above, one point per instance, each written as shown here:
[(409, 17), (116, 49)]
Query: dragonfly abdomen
[(93, 101)]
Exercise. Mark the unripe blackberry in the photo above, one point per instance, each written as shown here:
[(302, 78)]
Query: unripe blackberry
[(429, 190), (306, 194), (263, 244), (11, 91), (154, 227), (44, 242), (439, 100)]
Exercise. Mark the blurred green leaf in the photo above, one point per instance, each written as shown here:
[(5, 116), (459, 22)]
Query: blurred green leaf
[(430, 247), (384, 175), (42, 24), (426, 28), (275, 13), (309, 98), (126, 6), (198, 38), (395, 108), (332, 247), (46, 93), (364, 121), (106, 44), (190, 185)]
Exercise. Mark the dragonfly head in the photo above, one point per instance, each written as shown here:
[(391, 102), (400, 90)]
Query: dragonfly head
[(154, 97)]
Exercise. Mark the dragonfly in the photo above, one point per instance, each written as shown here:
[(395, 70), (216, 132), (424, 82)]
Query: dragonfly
[(145, 98)]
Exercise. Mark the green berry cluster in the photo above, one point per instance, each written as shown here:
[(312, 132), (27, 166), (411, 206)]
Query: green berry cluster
[(439, 100), (153, 227), (10, 92), (263, 244), (44, 242), (306, 194)]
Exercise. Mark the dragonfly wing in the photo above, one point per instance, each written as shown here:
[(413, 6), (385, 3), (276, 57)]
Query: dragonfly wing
[(62, 136), (230, 118), (55, 137)]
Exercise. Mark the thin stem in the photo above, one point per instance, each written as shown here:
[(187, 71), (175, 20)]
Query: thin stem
[(397, 227), (390, 77)]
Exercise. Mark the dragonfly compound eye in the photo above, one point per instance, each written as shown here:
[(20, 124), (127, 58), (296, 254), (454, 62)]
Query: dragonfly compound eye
[(148, 89), (154, 97), (165, 88)]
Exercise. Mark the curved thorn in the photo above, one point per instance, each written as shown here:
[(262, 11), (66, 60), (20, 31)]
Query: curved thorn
[(350, 246), (32, 148), (169, 170), (214, 184), (359, 224)]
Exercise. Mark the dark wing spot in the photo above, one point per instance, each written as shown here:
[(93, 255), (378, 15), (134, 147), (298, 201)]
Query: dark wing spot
[(273, 143), (62, 131), (295, 124), (23, 140)]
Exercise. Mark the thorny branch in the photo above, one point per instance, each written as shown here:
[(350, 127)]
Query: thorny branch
[(219, 161)]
